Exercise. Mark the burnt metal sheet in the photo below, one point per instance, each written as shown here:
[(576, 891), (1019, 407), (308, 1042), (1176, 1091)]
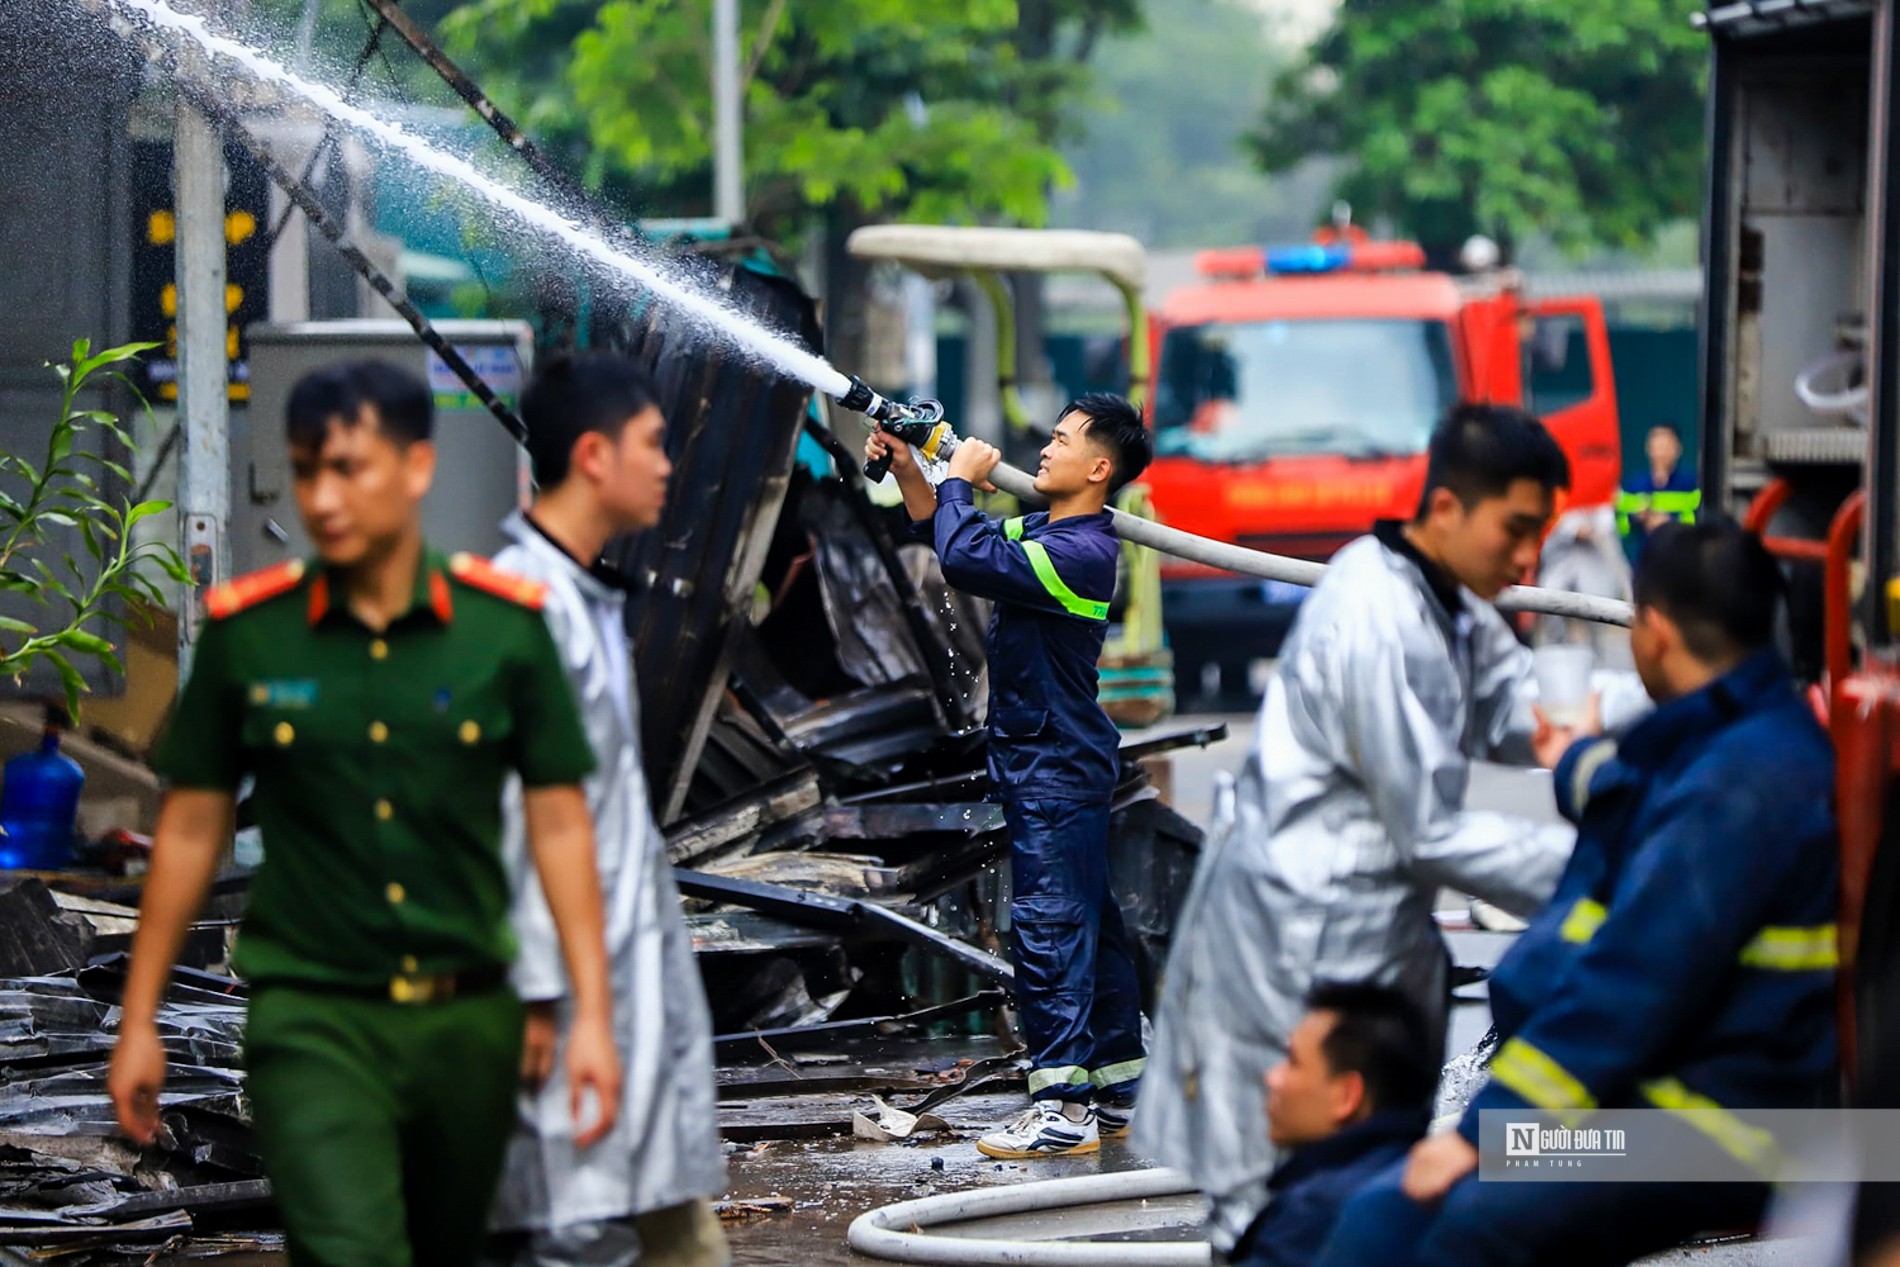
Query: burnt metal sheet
[(732, 428), (1766, 17), (892, 821), (1149, 743), (785, 799), (728, 1045), (841, 915)]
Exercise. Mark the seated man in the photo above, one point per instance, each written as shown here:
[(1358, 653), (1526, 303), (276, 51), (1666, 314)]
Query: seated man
[(1353, 1094), (1687, 960)]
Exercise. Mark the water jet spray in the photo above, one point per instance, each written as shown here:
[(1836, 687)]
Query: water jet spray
[(160, 31)]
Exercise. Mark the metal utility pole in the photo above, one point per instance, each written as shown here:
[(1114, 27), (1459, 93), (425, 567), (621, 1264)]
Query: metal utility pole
[(728, 142), (204, 477)]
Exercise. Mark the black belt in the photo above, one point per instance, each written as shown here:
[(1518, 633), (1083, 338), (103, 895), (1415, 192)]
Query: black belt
[(413, 987)]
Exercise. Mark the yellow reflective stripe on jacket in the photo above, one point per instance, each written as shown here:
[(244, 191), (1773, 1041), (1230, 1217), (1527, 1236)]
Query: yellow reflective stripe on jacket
[(1750, 1145), (1541, 1081), (1585, 917), (1683, 505), (1677, 502), (1585, 768), (1013, 528), (1811, 949), (1071, 601)]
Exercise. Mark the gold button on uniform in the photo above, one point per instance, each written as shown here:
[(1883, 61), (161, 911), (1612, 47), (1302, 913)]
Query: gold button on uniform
[(409, 963), (395, 894), (385, 811), (378, 732), (471, 732), (284, 734), (379, 650), (260, 694)]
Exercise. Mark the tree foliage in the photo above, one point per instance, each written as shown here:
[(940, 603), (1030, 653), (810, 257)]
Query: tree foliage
[(905, 108), (1512, 117), (43, 503), (1163, 157)]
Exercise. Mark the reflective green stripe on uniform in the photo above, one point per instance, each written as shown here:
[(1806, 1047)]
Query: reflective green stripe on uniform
[(1794, 949), (1584, 769), (1013, 528), (1059, 1076), (1072, 602), (1682, 505), (1120, 1072), (1583, 921), (1750, 1145), (1541, 1081)]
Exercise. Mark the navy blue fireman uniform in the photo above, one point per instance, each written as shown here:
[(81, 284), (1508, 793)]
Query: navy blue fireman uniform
[(1686, 963), (1053, 759)]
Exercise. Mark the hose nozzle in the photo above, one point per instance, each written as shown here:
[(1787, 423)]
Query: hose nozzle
[(919, 423)]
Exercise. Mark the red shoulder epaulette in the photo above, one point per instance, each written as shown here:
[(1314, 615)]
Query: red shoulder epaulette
[(252, 588), (479, 573)]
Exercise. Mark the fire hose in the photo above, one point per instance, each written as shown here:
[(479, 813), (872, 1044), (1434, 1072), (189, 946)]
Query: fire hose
[(921, 425), (896, 1233)]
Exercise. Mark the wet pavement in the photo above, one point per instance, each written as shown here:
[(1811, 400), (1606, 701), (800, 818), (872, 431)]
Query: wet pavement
[(832, 1181), (790, 1201)]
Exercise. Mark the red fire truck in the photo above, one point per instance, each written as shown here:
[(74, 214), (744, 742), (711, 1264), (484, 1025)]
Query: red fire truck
[(1295, 389)]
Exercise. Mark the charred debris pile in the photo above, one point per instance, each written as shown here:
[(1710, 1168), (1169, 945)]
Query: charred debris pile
[(812, 703)]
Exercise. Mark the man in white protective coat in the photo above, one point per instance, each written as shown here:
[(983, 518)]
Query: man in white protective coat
[(1348, 817), (642, 1194)]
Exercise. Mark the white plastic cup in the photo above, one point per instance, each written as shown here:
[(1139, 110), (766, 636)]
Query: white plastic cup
[(1563, 682)]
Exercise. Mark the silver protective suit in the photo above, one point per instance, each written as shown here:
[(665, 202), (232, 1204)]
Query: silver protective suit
[(665, 1148), (1326, 858)]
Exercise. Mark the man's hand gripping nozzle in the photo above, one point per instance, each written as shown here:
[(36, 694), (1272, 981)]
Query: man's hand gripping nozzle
[(919, 424)]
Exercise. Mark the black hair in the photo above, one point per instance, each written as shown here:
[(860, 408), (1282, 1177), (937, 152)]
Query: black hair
[(1479, 451), (574, 395), (1116, 425), (1716, 580), (1380, 1034), (405, 412)]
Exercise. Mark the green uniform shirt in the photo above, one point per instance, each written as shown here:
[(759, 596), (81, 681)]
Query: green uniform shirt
[(379, 761)]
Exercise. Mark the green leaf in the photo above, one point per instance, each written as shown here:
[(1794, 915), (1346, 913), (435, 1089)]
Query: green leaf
[(84, 365), (57, 517), (69, 678), (52, 582), (92, 541), (90, 643), (144, 510), (10, 625)]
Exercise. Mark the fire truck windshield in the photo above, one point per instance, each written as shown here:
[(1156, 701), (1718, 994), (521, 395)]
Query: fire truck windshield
[(1247, 391)]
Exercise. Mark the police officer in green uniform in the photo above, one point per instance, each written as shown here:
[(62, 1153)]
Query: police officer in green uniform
[(378, 697)]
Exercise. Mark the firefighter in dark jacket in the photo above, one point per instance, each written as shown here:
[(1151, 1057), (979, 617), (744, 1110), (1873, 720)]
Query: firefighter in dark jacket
[(1687, 960), (1352, 1096), (1052, 756)]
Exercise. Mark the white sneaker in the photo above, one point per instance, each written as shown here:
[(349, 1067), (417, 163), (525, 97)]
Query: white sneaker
[(1112, 1120), (1045, 1129)]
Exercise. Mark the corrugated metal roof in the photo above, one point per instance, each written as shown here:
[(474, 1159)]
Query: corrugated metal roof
[(1761, 17)]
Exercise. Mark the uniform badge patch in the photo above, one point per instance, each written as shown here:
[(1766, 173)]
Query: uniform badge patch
[(285, 693)]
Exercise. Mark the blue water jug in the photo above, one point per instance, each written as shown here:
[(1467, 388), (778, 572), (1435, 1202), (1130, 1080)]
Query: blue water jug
[(39, 808)]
